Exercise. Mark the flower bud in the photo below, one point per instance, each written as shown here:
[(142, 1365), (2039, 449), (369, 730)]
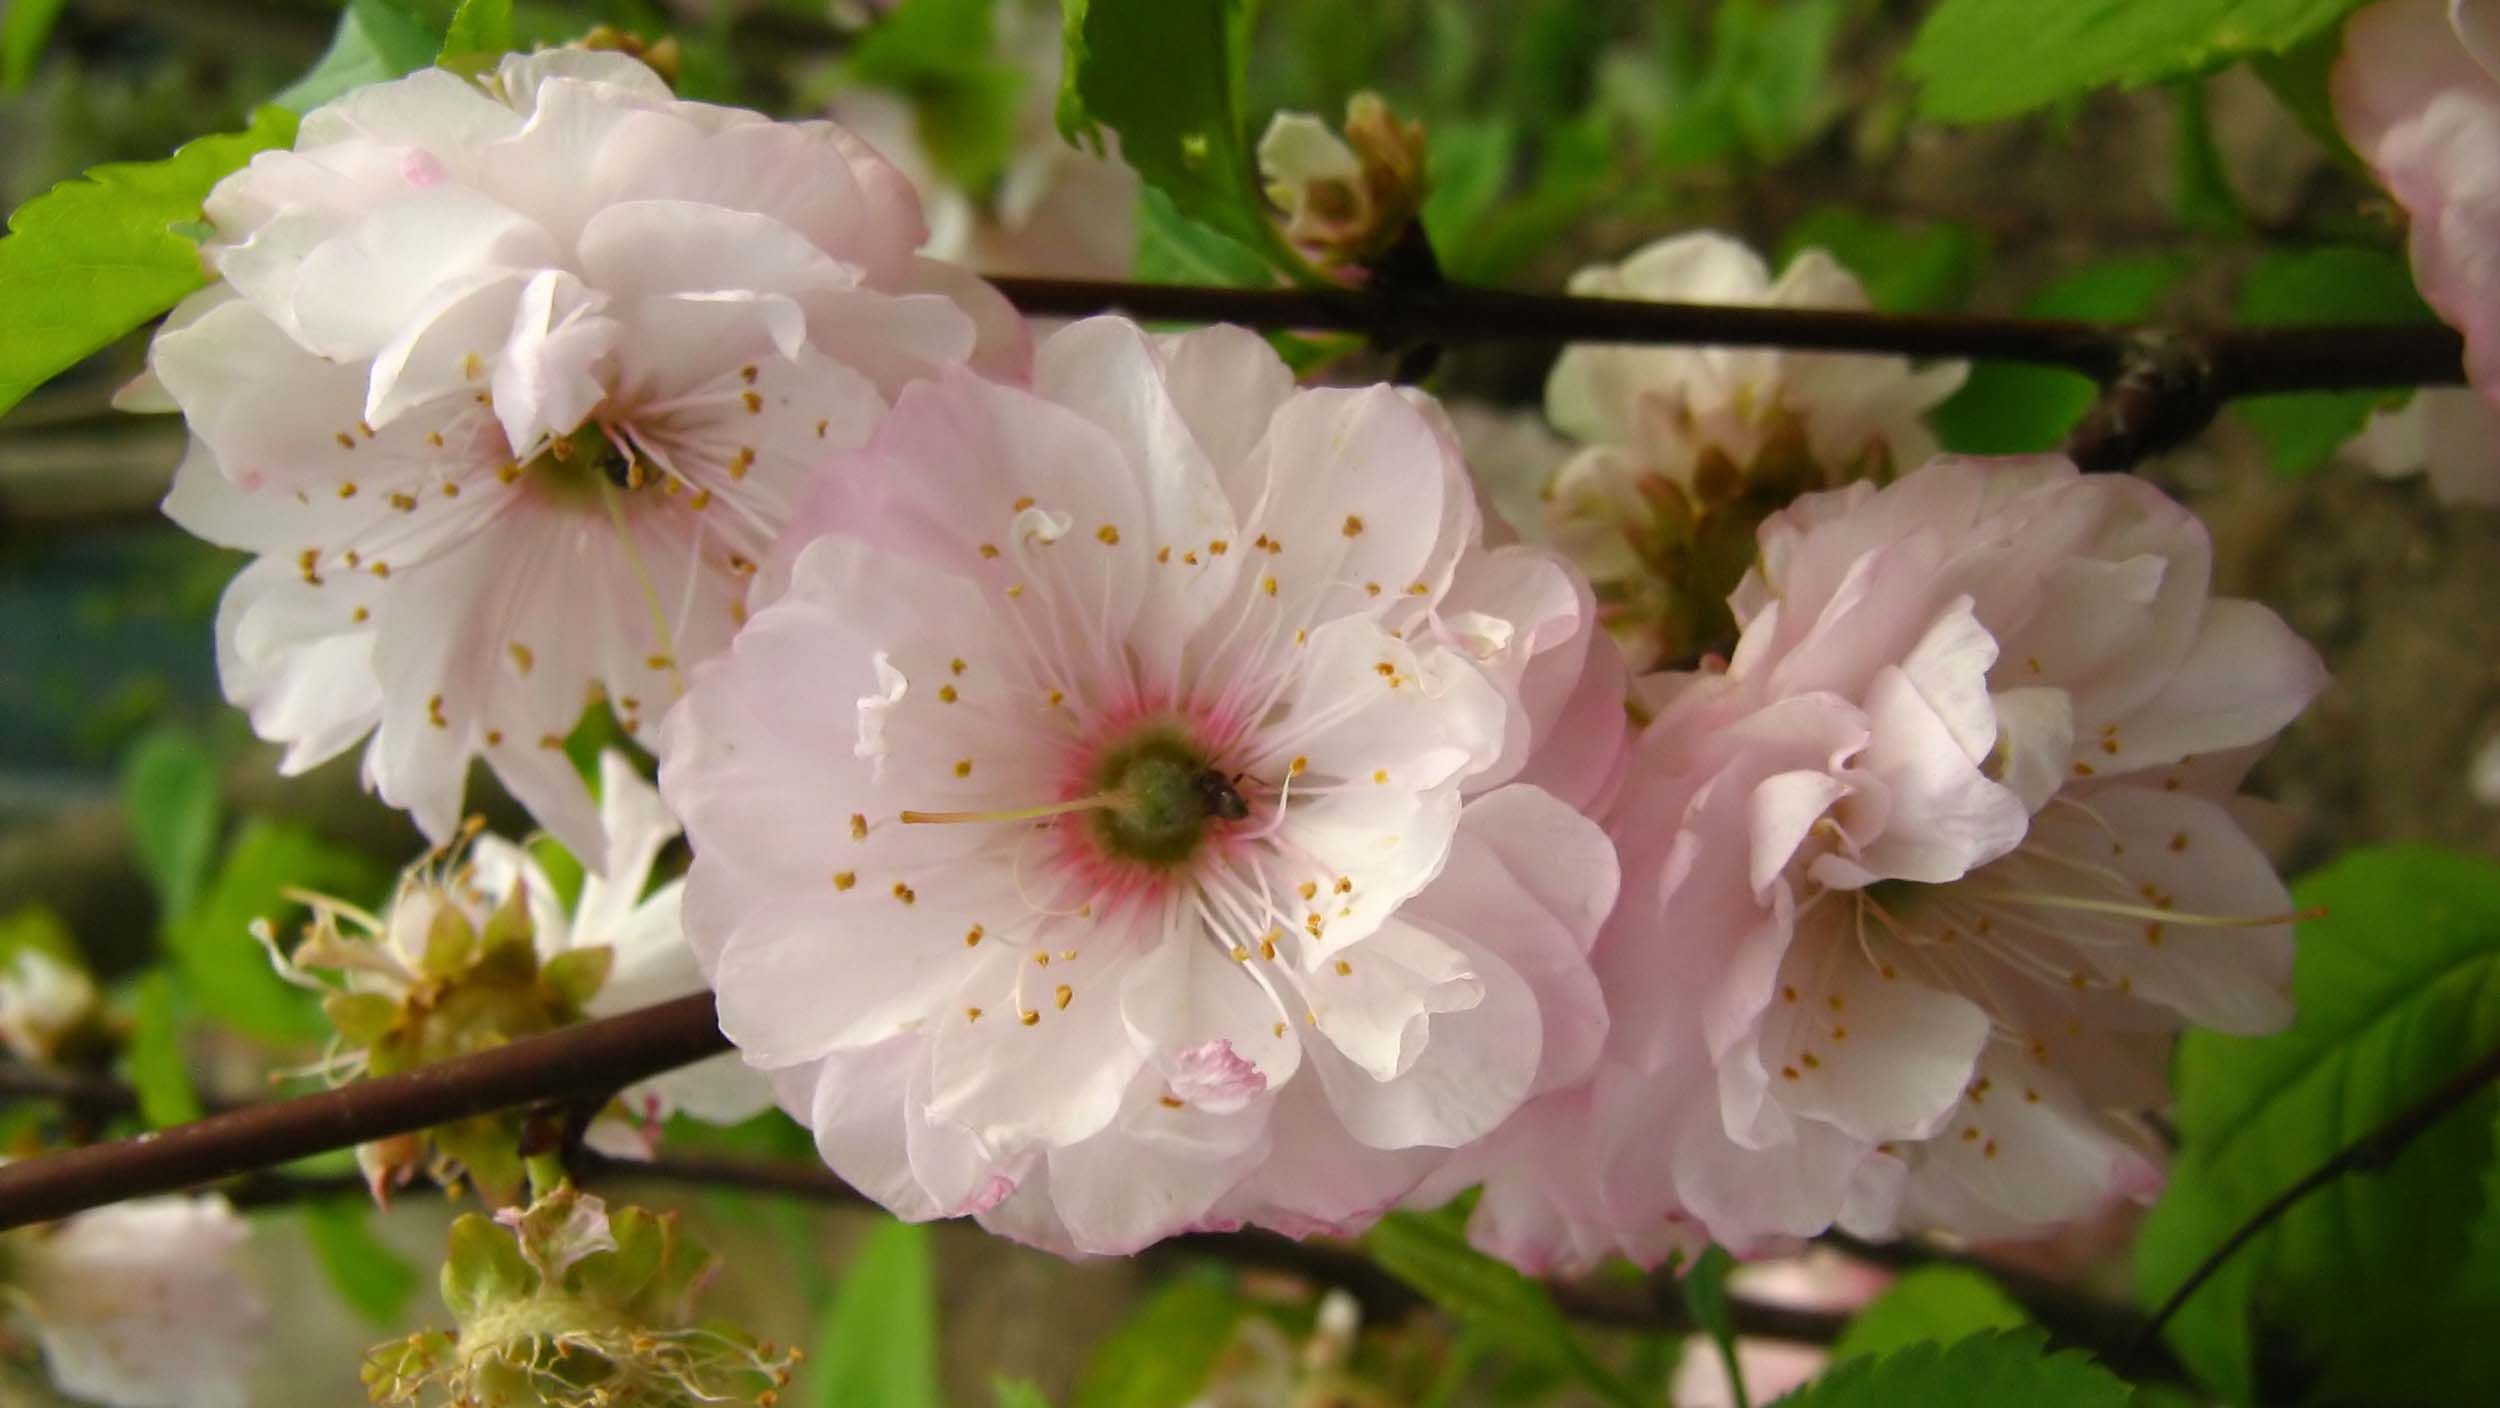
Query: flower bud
[(1346, 200)]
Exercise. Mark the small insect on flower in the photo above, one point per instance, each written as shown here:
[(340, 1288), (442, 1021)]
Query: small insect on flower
[(1221, 795)]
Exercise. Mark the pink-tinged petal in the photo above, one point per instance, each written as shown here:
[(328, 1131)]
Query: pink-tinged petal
[(644, 248), (1447, 1074), (1351, 496), (547, 381), (1316, 1179), (1206, 1025), (1154, 1173), (1878, 1058), (868, 1129), (2245, 679), (1045, 1083), (1227, 383), (2012, 1165), (1531, 880), (352, 295), (1944, 817), (1002, 341), (2425, 115)]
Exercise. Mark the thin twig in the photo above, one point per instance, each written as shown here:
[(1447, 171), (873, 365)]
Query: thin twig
[(592, 1057), (78, 1090), (2243, 361), (2374, 1150)]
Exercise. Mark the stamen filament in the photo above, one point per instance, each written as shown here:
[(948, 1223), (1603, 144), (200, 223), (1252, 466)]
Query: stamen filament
[(1100, 801)]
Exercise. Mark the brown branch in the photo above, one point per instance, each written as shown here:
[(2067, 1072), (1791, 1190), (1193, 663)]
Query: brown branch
[(592, 1058), (2241, 361), (2374, 1150)]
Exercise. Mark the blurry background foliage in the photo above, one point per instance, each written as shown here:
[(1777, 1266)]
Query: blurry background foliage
[(2084, 158)]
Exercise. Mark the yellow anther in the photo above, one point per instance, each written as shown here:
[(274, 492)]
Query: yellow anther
[(845, 879)]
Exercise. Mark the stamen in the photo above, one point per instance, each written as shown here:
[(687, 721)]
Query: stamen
[(1100, 801)]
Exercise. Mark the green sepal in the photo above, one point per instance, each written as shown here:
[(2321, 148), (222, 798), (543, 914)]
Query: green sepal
[(571, 978), (450, 943), (364, 1019), (485, 1269)]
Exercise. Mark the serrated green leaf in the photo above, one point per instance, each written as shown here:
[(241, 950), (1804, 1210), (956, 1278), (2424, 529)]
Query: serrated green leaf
[(170, 795), (877, 1347), (1907, 267), (22, 34), (375, 42), (2335, 283), (1992, 1368), (1167, 76), (374, 1280), (1939, 1303), (1980, 60), (2005, 409), (2373, 1277), (480, 29), (152, 1060), (1162, 1356), (1431, 1254), (222, 965), (97, 256)]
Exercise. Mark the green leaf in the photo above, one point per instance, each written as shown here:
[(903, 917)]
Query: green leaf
[(1431, 1254), (480, 29), (153, 1058), (2298, 78), (965, 102), (877, 1347), (1174, 249), (1470, 162), (170, 795), (1988, 1368), (97, 256), (1167, 76), (22, 34), (1980, 60), (1907, 267), (1016, 1393), (375, 42), (1940, 1303), (1704, 1286), (1162, 1356), (2010, 409), (2335, 283), (2374, 1281), (374, 1280), (2200, 183), (221, 964)]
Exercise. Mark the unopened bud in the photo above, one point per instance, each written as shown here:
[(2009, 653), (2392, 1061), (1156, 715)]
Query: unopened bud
[(1346, 200)]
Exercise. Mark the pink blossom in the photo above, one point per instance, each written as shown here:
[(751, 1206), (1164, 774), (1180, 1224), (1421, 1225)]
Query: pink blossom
[(1078, 829), (1920, 887), (509, 383), (140, 1304), (2417, 93)]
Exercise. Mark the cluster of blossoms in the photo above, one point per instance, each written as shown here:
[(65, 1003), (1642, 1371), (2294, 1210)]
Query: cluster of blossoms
[(1130, 792)]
